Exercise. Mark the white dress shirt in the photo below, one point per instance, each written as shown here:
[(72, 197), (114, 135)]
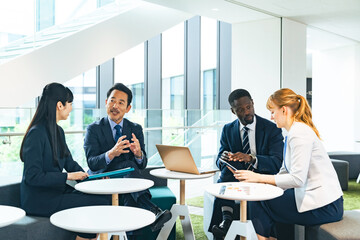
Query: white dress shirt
[(251, 135)]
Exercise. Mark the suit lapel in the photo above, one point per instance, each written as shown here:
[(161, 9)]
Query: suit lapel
[(107, 133), (237, 136), (259, 134)]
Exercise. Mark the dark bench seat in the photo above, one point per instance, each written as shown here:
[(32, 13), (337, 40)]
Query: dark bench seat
[(353, 158), (342, 171), (40, 228), (30, 227), (346, 229)]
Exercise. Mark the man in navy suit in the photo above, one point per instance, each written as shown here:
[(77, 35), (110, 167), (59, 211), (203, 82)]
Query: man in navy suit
[(114, 142), (262, 152)]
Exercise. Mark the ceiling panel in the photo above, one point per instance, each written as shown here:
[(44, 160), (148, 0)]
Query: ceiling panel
[(341, 17)]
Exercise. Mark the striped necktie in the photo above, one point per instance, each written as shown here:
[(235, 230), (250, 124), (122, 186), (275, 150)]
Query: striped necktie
[(118, 132), (245, 141)]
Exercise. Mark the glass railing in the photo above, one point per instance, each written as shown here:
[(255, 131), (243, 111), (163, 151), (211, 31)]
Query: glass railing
[(58, 31), (198, 129)]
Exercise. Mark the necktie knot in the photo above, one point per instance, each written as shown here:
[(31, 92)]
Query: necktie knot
[(118, 132)]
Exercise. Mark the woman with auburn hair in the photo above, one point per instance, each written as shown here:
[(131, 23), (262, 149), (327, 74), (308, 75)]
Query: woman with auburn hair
[(45, 154), (312, 190)]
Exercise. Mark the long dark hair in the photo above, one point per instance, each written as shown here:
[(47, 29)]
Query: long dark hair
[(46, 114)]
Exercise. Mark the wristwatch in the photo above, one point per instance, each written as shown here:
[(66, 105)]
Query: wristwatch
[(253, 158)]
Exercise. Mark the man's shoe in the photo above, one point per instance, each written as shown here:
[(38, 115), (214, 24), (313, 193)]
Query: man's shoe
[(161, 218), (221, 230)]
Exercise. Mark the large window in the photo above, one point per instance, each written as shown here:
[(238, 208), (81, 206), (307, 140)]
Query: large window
[(23, 20), (84, 90), (208, 89), (173, 68), (66, 10), (16, 20), (129, 70), (208, 62)]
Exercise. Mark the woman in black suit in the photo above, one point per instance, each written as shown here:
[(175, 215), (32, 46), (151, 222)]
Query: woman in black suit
[(45, 154)]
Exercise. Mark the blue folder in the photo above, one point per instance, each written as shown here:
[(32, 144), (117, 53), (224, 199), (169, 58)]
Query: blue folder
[(111, 174)]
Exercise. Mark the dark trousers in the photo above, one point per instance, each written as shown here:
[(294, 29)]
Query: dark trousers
[(140, 199), (72, 198), (216, 217), (265, 214)]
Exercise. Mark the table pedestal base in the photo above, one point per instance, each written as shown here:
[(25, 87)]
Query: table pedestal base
[(103, 236), (176, 211), (119, 235), (245, 229)]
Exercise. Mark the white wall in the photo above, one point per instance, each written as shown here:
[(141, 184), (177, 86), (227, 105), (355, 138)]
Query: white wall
[(309, 65), (336, 97), (294, 56), (357, 97), (256, 60)]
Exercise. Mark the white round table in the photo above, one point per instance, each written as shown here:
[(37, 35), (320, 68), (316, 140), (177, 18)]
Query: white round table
[(9, 215), (181, 210), (102, 219), (243, 192), (114, 186)]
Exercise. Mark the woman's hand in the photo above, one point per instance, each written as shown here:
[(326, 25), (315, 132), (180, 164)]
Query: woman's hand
[(250, 176), (77, 175), (247, 176)]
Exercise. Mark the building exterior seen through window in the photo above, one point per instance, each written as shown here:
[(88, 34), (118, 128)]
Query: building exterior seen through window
[(84, 90), (173, 67), (208, 62), (129, 70)]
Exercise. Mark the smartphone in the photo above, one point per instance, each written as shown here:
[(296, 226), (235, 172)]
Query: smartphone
[(228, 164), (225, 155)]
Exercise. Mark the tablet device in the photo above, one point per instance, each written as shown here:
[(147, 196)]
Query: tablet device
[(228, 164), (111, 174)]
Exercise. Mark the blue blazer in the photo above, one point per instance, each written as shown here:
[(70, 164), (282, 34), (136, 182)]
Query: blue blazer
[(43, 184), (269, 147), (99, 139)]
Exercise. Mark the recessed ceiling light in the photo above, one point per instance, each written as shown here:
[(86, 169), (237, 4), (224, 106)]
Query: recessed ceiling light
[(215, 9)]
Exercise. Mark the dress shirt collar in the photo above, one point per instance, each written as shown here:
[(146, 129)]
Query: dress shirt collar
[(113, 124), (250, 126)]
